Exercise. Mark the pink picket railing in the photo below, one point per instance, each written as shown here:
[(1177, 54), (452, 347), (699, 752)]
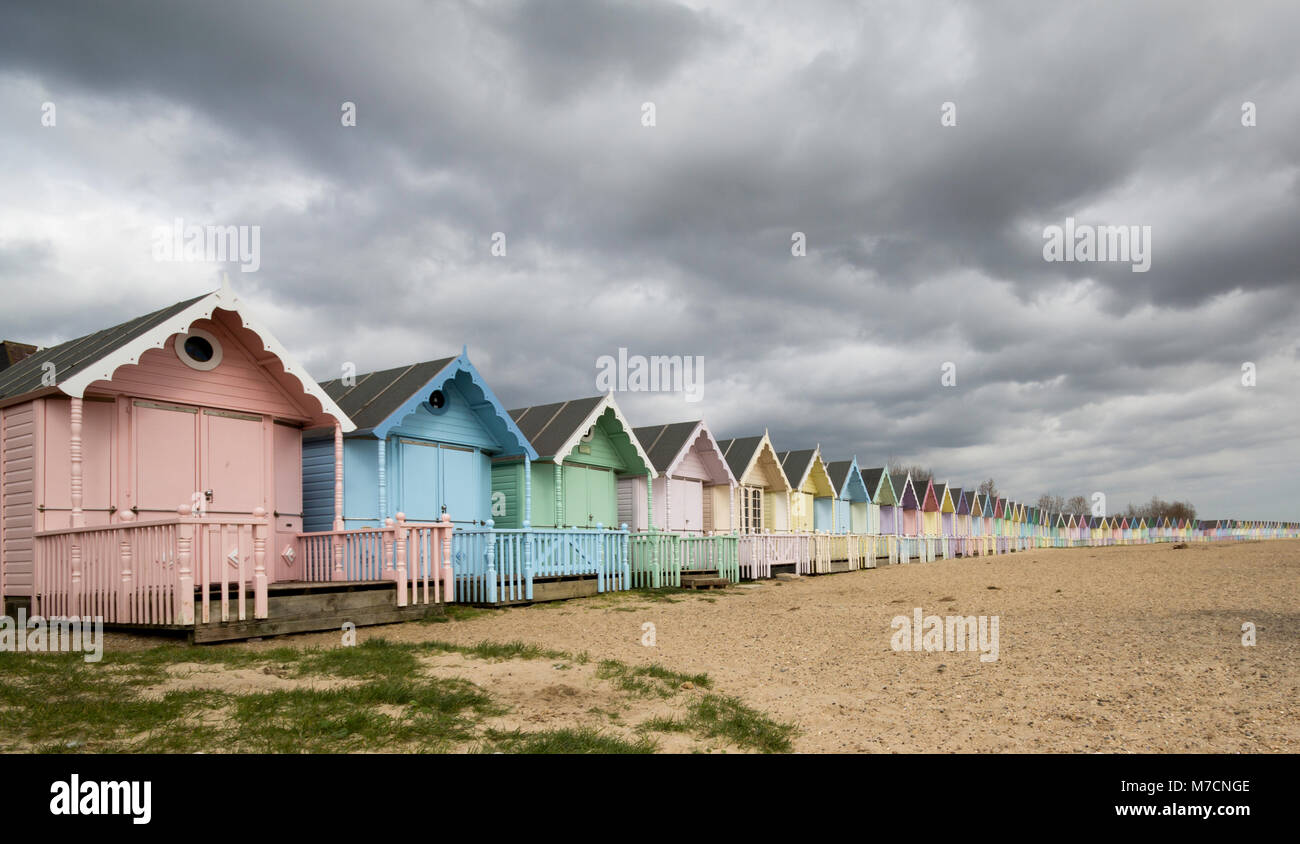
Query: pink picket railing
[(147, 572), (414, 555)]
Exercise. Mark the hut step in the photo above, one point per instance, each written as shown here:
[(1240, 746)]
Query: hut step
[(703, 581)]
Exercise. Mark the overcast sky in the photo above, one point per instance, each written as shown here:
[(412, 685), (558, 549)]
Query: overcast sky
[(924, 241)]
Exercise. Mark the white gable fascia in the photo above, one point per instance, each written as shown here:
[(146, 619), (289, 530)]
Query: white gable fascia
[(156, 338), (606, 403)]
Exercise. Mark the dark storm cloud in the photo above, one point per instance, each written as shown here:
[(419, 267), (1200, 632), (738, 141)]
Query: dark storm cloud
[(924, 242)]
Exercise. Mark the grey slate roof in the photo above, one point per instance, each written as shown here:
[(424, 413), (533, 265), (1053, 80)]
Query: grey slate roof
[(373, 397), (664, 442), (549, 426), (739, 451), (795, 463), (872, 479), (839, 472), (71, 357)]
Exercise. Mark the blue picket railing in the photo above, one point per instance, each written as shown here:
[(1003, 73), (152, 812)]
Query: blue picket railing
[(499, 566)]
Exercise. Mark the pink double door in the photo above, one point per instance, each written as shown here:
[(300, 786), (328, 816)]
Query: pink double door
[(225, 461)]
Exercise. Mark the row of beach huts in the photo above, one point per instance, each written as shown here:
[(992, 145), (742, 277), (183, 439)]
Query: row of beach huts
[(180, 472)]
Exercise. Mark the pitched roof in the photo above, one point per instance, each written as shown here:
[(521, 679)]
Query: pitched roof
[(549, 426), (554, 429), (839, 472), (374, 396), (739, 451), (872, 479), (73, 356), (76, 364), (380, 401), (664, 442), (796, 464)]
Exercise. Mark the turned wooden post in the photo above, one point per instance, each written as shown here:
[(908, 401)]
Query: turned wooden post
[(185, 576), (74, 576), (448, 575), (528, 549), (626, 562), (559, 496), (650, 501), (74, 459), (78, 518), (260, 598), (389, 572), (338, 573), (381, 456), (125, 600), (528, 494), (489, 562), (399, 540), (602, 583)]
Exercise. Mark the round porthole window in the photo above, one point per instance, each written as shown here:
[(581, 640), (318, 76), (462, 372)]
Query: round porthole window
[(199, 350), (437, 400)]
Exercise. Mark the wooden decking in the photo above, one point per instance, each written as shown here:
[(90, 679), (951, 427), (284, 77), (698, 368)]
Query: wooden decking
[(295, 607), (549, 589)]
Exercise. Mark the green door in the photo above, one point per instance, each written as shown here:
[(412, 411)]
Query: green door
[(590, 496), (576, 511), (602, 497)]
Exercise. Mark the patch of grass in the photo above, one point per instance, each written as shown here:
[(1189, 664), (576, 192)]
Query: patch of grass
[(371, 658), (457, 612), (90, 711), (497, 650), (648, 680), (664, 725), (727, 718), (232, 656), (582, 740), (429, 716), (59, 703)]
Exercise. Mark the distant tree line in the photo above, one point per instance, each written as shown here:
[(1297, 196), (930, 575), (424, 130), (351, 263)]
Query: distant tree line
[(1078, 505), (1156, 508), (921, 475)]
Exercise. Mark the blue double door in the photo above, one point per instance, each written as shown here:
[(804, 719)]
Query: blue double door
[(435, 476)]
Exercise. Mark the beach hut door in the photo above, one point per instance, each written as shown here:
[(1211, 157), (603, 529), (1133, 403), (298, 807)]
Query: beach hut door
[(687, 505), (420, 481), (590, 496), (233, 469), (459, 481), (165, 458)]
